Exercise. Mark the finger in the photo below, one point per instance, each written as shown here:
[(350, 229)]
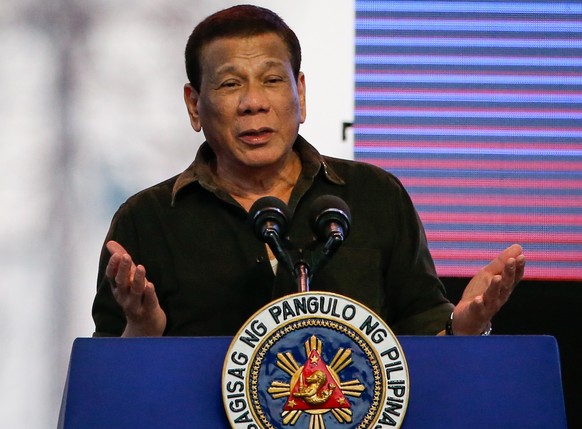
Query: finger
[(491, 296), (150, 299), (508, 274), (477, 305), (519, 267), (138, 284), (480, 314), (513, 251), (497, 265), (112, 267), (132, 301), (512, 274), (114, 247), (112, 270), (124, 275)]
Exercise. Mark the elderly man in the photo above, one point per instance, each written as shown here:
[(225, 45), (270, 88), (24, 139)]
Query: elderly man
[(206, 270)]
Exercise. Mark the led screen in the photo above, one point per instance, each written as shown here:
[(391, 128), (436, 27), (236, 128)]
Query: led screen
[(477, 108)]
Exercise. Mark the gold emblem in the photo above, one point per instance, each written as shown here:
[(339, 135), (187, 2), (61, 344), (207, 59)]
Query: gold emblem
[(315, 388), (311, 360)]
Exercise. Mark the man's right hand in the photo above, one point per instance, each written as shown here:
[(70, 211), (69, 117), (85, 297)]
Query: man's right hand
[(135, 294)]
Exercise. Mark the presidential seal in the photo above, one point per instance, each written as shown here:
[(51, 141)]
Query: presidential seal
[(315, 360)]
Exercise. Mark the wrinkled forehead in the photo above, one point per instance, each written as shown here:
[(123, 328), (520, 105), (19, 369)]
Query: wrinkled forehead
[(231, 54), (232, 46)]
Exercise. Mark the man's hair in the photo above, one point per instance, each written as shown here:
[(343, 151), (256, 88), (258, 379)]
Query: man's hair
[(238, 21)]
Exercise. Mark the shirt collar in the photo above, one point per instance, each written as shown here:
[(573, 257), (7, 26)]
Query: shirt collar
[(200, 170)]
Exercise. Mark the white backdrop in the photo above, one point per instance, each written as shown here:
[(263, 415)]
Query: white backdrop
[(91, 111)]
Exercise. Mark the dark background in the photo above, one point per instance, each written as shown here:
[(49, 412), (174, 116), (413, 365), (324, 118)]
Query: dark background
[(544, 308)]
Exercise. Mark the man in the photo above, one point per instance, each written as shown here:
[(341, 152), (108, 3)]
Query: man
[(206, 271)]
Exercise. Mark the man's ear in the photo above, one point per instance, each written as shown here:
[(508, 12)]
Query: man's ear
[(191, 98), (301, 90)]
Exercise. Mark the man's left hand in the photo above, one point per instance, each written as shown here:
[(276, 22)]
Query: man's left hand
[(488, 291)]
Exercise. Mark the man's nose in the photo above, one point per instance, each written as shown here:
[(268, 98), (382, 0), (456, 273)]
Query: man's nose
[(254, 99)]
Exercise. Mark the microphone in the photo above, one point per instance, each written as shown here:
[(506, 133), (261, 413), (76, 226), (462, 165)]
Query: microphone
[(269, 217), (330, 220)]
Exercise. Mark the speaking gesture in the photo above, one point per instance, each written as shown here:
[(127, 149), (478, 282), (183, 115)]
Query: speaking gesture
[(134, 293), (488, 291)]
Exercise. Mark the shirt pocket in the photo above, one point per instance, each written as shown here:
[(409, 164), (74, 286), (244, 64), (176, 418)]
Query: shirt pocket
[(356, 273)]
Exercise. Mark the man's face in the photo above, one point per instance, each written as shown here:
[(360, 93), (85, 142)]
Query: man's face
[(250, 105)]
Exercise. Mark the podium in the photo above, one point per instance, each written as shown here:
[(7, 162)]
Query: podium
[(491, 382)]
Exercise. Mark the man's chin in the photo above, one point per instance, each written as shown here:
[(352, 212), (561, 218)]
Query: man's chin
[(263, 158)]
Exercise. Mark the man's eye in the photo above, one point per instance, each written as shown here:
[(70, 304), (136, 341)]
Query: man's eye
[(274, 79), (229, 84)]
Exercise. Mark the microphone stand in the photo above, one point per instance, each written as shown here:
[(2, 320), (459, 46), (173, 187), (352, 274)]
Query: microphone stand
[(330, 221), (302, 275)]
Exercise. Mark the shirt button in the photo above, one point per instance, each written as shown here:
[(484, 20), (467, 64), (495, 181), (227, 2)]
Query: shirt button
[(260, 259)]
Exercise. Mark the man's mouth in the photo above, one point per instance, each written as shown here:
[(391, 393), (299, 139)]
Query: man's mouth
[(258, 136)]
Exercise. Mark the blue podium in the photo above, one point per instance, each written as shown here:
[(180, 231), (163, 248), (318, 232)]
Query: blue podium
[(491, 382)]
